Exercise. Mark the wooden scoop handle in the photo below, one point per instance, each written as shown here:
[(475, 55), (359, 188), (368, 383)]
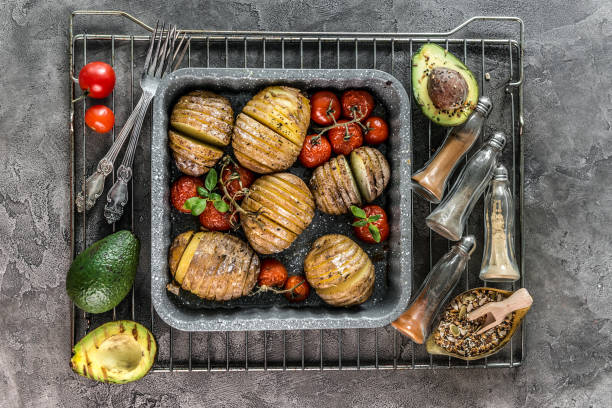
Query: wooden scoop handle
[(518, 300)]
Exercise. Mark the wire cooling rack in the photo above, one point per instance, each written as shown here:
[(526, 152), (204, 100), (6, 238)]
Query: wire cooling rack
[(121, 39)]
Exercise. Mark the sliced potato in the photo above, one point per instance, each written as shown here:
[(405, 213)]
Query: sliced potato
[(205, 116), (371, 171), (284, 208), (334, 188), (261, 149), (191, 156), (340, 271), (284, 110), (213, 265)]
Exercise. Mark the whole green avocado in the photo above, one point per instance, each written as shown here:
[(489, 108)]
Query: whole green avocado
[(102, 275)]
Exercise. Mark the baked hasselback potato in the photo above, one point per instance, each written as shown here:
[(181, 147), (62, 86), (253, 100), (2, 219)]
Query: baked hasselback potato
[(205, 116), (261, 149), (213, 265), (284, 207), (191, 156), (340, 271), (334, 187), (283, 109), (371, 171)]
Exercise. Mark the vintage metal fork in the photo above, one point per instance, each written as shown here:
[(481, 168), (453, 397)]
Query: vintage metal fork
[(165, 59)]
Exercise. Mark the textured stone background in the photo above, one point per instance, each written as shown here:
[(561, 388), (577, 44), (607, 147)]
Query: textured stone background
[(568, 201)]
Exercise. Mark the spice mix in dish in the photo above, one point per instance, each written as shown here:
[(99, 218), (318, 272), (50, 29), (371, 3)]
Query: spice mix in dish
[(456, 334)]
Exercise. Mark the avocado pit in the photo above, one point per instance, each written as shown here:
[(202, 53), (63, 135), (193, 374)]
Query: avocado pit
[(447, 88)]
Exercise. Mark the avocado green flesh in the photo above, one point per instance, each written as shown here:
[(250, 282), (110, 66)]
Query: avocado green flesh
[(102, 275), (116, 352), (428, 57)]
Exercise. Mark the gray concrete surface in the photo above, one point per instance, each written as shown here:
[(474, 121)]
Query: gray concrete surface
[(568, 200)]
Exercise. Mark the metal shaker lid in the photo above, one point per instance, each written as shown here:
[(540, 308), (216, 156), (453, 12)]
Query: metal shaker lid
[(500, 172), (467, 244), (498, 140), (484, 106)]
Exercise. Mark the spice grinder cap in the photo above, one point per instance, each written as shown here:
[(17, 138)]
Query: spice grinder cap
[(484, 106), (500, 172), (467, 244), (498, 140)]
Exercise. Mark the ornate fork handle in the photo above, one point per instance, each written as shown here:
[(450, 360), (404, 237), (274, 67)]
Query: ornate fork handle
[(117, 196), (94, 185)]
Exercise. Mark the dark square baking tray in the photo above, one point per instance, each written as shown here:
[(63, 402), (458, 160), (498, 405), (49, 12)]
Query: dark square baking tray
[(268, 311)]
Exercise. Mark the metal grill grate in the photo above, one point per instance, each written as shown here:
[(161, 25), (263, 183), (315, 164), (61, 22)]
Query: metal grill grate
[(498, 65)]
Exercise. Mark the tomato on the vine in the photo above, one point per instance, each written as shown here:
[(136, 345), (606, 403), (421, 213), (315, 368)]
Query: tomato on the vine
[(97, 79), (272, 273), (100, 118), (215, 220), (324, 108), (184, 188), (232, 177), (357, 104), (345, 138), (297, 288), (316, 150), (377, 130)]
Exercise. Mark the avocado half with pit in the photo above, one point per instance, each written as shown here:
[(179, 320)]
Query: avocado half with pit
[(116, 352), (445, 89)]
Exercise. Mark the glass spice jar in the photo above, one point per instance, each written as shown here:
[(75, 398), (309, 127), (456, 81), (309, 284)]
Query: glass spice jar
[(416, 321), (498, 260), (449, 218), (431, 180)]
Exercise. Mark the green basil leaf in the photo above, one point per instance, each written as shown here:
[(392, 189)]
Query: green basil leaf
[(199, 207), (360, 223), (358, 212), (221, 206), (190, 202), (211, 180), (374, 218), (203, 192), (214, 197), (375, 232)]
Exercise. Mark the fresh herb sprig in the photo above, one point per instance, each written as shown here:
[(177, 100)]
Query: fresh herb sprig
[(365, 220), (197, 205)]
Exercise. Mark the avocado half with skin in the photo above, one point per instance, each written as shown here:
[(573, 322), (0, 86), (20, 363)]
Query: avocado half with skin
[(116, 352), (102, 275), (517, 318), (445, 89)]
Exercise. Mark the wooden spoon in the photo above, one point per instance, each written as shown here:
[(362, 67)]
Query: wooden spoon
[(497, 311)]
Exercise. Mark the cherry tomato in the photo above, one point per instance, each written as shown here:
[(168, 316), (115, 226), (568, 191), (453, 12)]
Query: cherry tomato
[(238, 175), (345, 140), (382, 224), (100, 118), (316, 150), (214, 220), (324, 108), (357, 104), (298, 293), (97, 79), (272, 273), (183, 189), (377, 130)]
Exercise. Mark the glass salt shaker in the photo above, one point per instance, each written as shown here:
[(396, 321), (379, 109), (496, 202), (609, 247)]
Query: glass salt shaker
[(416, 321), (449, 218), (498, 260), (431, 180)]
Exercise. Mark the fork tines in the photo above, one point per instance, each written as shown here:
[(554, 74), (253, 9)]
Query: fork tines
[(168, 55)]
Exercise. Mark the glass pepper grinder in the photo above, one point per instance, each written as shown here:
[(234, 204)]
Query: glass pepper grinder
[(431, 180), (449, 218), (498, 260), (416, 321)]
